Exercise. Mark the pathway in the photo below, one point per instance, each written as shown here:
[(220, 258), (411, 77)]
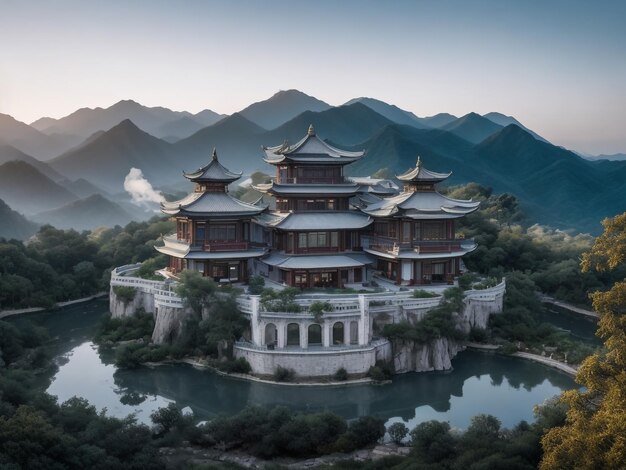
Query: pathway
[(551, 300)]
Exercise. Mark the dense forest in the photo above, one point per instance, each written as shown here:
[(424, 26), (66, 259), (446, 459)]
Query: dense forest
[(59, 265)]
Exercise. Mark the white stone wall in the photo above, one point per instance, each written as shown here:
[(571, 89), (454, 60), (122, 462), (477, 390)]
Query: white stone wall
[(119, 308), (315, 364)]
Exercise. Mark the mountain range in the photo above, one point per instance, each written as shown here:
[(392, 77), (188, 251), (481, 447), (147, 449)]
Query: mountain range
[(158, 121), (555, 185), (14, 224)]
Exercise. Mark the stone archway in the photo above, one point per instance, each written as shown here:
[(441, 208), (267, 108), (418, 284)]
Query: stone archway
[(271, 334), (354, 332), (338, 333), (293, 334), (315, 334)]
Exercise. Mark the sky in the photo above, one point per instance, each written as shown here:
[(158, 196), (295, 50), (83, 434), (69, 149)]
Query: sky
[(557, 66)]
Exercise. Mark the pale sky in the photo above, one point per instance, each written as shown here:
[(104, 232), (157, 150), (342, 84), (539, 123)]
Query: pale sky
[(557, 66)]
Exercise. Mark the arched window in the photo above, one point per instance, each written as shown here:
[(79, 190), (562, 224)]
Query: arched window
[(354, 332), (270, 334), (338, 333), (293, 334), (315, 334)]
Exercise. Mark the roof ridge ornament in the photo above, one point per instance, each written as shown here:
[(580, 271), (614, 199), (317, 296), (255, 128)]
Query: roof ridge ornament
[(214, 156), (419, 162), (311, 130)]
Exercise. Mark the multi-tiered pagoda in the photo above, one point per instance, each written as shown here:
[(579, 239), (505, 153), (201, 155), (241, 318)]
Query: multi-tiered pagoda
[(414, 239), (327, 230), (316, 234), (212, 227)]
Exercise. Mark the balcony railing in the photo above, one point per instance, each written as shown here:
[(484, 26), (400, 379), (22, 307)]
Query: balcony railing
[(392, 245), (307, 180), (225, 246)]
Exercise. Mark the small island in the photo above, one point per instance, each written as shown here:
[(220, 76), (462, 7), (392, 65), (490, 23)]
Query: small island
[(337, 280)]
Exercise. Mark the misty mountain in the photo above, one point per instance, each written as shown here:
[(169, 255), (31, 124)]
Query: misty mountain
[(344, 125), (504, 120), (390, 111), (179, 129), (86, 214), (83, 188), (9, 153), (555, 186), (15, 225), (206, 117), (397, 148), (472, 127), (559, 188), (282, 107), (615, 157), (27, 190), (85, 121), (237, 140), (107, 159), (438, 120), (28, 140)]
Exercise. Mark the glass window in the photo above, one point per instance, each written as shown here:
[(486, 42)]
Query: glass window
[(222, 232), (434, 231), (302, 239), (200, 234), (334, 239)]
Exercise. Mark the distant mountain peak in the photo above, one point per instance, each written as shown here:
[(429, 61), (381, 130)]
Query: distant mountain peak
[(282, 107)]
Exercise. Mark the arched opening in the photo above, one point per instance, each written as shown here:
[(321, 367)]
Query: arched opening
[(271, 335), (315, 334), (293, 334), (354, 332), (338, 333)]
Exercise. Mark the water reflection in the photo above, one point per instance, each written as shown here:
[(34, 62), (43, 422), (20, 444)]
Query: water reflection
[(480, 383), (507, 387)]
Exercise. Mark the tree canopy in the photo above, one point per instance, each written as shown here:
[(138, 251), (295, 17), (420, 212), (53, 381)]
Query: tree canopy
[(593, 435)]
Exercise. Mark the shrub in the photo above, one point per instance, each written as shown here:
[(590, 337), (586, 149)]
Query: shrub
[(508, 348), (283, 374), (256, 284), (397, 432), (486, 283), (466, 280), (341, 374), (423, 294), (364, 431), (376, 374), (317, 308), (125, 293), (478, 335), (280, 301), (236, 366)]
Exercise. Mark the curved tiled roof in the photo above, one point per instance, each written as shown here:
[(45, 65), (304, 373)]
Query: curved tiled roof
[(210, 204), (421, 205), (310, 149), (421, 174), (213, 172)]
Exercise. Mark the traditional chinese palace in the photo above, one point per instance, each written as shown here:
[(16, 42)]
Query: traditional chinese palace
[(327, 230), (318, 228)]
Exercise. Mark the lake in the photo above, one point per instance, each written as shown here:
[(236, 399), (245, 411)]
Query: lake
[(505, 387)]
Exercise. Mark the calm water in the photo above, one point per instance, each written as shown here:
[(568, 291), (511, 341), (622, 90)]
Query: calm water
[(480, 383)]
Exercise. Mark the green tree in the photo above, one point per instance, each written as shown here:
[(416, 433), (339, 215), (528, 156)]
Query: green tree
[(397, 432), (593, 435), (195, 290)]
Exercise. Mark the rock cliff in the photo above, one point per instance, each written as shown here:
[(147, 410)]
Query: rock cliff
[(120, 308), (169, 323), (437, 354)]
